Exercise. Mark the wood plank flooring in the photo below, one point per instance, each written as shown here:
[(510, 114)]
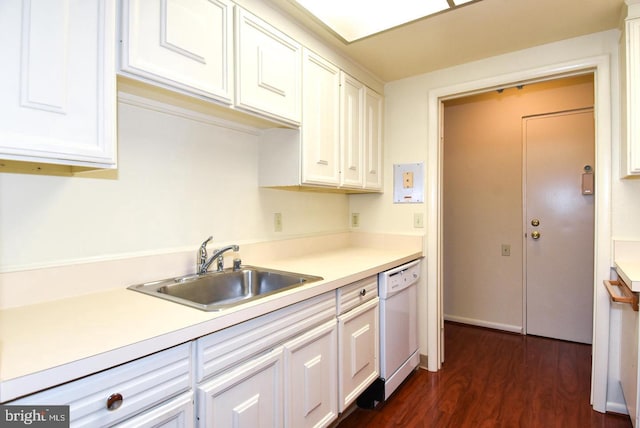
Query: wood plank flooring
[(495, 379)]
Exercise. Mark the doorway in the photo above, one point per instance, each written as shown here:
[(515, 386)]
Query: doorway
[(484, 243), (601, 67)]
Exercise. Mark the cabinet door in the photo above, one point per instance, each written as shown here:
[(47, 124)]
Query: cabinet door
[(177, 413), (351, 135), (372, 140), (358, 363), (310, 378), (184, 44), (57, 82), (321, 121), (632, 155), (268, 69), (249, 396)]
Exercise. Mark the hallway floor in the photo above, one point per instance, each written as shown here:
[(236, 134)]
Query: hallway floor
[(495, 379)]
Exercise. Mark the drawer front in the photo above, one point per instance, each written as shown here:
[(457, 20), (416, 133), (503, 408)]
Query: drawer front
[(142, 384), (223, 349), (357, 293)]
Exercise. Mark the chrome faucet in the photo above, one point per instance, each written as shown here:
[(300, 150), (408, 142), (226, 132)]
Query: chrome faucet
[(203, 264)]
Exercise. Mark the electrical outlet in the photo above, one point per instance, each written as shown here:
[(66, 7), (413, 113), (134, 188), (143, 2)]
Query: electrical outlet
[(277, 222), (506, 249), (418, 220), (355, 219)]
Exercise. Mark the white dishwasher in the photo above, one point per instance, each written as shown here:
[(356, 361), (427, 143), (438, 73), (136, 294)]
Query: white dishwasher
[(399, 353)]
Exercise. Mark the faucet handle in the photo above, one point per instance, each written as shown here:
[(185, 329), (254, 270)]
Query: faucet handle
[(202, 253)]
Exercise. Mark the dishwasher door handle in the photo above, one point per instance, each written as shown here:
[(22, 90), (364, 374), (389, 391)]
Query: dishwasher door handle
[(624, 296)]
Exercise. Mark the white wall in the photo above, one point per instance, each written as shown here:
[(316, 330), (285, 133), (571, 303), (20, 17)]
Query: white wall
[(178, 181)]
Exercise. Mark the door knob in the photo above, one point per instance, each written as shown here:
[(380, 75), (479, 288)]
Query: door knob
[(535, 234), (535, 222)]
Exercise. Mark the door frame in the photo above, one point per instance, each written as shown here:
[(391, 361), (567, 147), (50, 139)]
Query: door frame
[(600, 67)]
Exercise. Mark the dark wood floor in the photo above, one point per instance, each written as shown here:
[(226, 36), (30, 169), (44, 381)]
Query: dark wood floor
[(494, 379)]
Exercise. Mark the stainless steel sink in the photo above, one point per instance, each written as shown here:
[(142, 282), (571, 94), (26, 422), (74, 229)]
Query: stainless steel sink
[(215, 291)]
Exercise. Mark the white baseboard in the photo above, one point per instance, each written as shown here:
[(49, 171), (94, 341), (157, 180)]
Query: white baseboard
[(483, 323), (620, 408)]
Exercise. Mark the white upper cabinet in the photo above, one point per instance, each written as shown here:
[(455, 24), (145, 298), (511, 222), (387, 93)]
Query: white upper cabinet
[(57, 82), (183, 44), (339, 145), (360, 136), (372, 140), (631, 156), (351, 135), (320, 121), (267, 70)]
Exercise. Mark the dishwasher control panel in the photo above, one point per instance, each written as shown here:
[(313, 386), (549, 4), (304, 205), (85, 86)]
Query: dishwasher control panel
[(398, 278)]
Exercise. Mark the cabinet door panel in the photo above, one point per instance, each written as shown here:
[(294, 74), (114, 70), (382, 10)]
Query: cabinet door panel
[(321, 121), (268, 69), (372, 141), (351, 136), (57, 82), (249, 396), (631, 156), (359, 348), (177, 413), (185, 44), (311, 373)]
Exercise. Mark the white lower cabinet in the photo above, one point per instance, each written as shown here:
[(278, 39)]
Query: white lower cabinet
[(248, 396), (358, 340), (295, 367), (311, 378), (276, 370), (125, 392)]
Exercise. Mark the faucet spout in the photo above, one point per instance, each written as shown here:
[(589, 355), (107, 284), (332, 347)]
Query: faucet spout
[(203, 265)]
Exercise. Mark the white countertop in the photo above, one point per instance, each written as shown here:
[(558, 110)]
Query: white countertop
[(629, 271), (49, 343), (627, 262)]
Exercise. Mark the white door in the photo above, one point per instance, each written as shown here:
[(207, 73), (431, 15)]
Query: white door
[(559, 225), (311, 378)]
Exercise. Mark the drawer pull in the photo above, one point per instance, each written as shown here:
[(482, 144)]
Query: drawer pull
[(363, 292), (114, 401), (625, 296)]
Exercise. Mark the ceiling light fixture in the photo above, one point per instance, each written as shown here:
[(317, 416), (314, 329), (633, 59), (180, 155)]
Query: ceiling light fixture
[(356, 19)]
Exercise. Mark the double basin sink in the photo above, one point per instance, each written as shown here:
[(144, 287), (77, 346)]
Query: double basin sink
[(215, 291)]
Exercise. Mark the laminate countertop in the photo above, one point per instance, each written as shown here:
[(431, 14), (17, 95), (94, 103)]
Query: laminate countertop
[(629, 271), (49, 343)]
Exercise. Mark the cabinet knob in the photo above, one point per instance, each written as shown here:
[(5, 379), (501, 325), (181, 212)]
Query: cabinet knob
[(363, 292), (114, 401)]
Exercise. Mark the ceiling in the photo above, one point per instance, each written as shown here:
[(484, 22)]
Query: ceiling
[(471, 32)]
